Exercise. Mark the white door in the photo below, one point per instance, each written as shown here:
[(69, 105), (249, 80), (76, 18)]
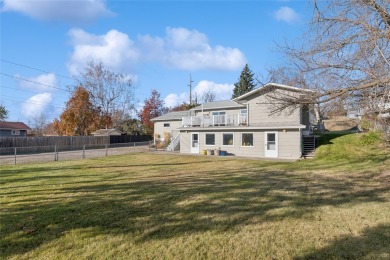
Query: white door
[(271, 144), (195, 143)]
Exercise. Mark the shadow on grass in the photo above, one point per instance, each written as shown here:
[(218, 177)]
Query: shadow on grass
[(326, 138), (173, 204), (373, 240)]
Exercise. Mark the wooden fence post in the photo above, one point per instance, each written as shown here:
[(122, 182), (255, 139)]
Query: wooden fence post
[(15, 155), (84, 151)]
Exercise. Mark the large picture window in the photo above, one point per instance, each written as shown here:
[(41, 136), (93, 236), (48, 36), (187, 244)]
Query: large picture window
[(210, 139), (228, 139), (247, 139)]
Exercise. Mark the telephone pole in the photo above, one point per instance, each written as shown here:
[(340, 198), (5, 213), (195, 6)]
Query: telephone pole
[(190, 85)]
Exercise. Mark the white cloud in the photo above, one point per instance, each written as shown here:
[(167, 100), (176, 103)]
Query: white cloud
[(180, 48), (222, 92), (44, 82), (114, 49), (36, 105), (190, 50), (59, 10), (286, 14), (174, 99)]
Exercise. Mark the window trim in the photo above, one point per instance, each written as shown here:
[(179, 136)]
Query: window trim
[(253, 140), (232, 133), (205, 139)]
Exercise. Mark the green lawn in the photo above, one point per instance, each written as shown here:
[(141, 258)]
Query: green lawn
[(155, 206)]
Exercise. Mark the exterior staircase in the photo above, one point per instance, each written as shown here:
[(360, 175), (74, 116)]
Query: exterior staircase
[(175, 144), (308, 146)]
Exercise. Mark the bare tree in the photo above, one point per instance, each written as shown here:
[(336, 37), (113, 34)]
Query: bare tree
[(345, 53), (109, 91), (208, 96), (39, 123)]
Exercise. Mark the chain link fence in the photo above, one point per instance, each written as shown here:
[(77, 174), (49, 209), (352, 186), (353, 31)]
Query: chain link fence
[(33, 154)]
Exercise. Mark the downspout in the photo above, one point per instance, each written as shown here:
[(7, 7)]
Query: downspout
[(247, 114), (301, 146)]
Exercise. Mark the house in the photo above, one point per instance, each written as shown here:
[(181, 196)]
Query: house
[(13, 129), (243, 126), (169, 124), (106, 132)]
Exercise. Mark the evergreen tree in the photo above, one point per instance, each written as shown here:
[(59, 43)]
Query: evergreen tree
[(3, 113), (245, 83)]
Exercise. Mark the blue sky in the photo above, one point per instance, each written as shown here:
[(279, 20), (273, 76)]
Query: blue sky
[(156, 43)]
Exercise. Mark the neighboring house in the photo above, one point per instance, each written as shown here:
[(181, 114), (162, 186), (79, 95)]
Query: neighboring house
[(13, 129), (106, 132), (243, 126)]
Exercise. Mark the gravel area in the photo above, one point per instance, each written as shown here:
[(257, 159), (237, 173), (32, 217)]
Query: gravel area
[(70, 155)]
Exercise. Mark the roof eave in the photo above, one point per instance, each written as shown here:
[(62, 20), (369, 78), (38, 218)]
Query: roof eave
[(274, 85)]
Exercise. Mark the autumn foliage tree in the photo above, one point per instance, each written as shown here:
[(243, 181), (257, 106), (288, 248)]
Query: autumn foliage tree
[(153, 107), (80, 117)]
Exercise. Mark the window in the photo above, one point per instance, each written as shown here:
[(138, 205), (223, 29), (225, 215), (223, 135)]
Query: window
[(167, 124), (247, 139), (228, 139), (243, 118), (218, 113), (219, 118), (15, 132), (210, 139)]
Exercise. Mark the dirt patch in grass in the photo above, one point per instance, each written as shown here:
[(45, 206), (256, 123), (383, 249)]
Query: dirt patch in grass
[(384, 177)]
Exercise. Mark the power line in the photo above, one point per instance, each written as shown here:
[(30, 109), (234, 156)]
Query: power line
[(31, 81), (29, 67), (31, 101), (35, 82), (37, 91)]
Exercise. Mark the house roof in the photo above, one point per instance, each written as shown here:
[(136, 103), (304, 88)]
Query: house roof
[(176, 115), (273, 85), (14, 126), (105, 131), (219, 105)]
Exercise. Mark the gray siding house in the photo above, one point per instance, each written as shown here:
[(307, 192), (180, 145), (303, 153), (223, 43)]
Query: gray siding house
[(13, 129), (244, 126)]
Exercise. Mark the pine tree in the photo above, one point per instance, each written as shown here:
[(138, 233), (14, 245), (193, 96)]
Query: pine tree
[(3, 113), (245, 83)]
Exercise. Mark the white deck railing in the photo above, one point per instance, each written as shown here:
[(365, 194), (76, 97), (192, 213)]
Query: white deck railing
[(217, 120)]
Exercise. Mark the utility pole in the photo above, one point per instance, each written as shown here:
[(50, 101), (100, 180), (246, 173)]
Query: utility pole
[(190, 85)]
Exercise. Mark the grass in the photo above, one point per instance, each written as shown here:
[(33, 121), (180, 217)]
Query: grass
[(154, 206)]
